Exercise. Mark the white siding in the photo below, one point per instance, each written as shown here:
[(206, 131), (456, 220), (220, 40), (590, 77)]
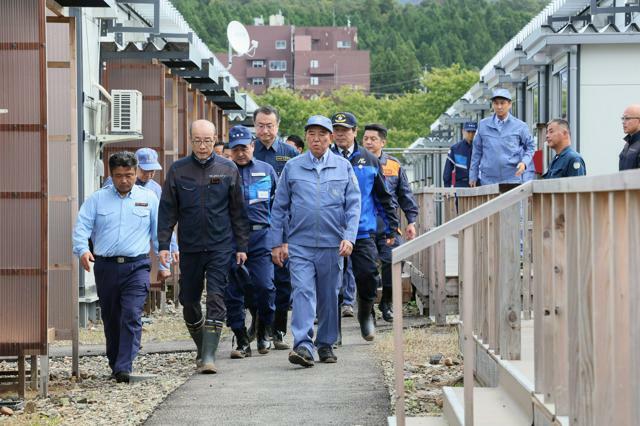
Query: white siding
[(608, 83)]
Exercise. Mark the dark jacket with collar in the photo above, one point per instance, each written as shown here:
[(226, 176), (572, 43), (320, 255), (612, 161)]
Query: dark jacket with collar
[(630, 155)]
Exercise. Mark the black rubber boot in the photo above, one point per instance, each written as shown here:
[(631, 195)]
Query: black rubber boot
[(210, 339), (195, 330), (263, 336), (365, 318), (243, 349), (386, 304), (280, 329), (252, 328)]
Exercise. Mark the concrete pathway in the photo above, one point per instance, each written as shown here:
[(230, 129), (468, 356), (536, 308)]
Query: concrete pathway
[(266, 389)]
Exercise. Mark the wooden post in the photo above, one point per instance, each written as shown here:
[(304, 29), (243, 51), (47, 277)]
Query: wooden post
[(469, 343), (559, 287), (398, 341), (493, 254), (634, 298), (509, 290), (526, 261)]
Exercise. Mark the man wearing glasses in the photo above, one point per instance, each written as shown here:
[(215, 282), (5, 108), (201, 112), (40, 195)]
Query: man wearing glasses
[(630, 155), (271, 149), (203, 194)]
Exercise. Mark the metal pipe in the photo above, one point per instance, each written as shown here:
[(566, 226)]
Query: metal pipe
[(573, 93)]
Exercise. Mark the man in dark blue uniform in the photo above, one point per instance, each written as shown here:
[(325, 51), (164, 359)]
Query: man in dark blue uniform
[(373, 191), (203, 194), (271, 149), (459, 158), (567, 162), (259, 184), (374, 139), (120, 219), (630, 155)]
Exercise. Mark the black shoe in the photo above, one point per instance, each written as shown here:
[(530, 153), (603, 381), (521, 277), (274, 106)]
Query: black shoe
[(387, 313), (122, 377), (325, 353), (278, 341), (301, 356), (243, 349)]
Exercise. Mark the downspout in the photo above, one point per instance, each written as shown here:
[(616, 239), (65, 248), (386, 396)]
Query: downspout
[(573, 94)]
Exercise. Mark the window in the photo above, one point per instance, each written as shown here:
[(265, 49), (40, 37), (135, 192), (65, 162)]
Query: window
[(281, 44), (257, 81), (257, 63), (313, 63), (277, 65), (563, 93), (277, 82), (314, 81), (344, 44)]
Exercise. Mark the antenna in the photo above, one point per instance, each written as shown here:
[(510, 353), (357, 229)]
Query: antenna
[(239, 41)]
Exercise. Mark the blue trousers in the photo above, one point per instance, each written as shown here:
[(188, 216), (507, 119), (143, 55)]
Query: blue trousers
[(260, 291), (348, 285), (122, 289), (283, 287), (194, 267), (316, 277)]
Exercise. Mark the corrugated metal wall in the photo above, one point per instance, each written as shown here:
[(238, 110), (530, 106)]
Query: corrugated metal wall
[(63, 181), (23, 178)]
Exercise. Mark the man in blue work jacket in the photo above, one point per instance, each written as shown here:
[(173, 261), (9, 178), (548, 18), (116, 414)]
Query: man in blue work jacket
[(121, 220), (147, 166), (503, 146), (314, 223), (259, 183), (373, 192), (567, 162), (459, 158), (272, 149), (374, 139), (203, 194)]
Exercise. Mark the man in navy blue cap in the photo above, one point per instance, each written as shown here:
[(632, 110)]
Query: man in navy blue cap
[(259, 184), (374, 194), (459, 158), (272, 149), (503, 146), (314, 223)]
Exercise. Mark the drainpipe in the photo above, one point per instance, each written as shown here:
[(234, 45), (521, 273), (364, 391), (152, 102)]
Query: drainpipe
[(574, 94)]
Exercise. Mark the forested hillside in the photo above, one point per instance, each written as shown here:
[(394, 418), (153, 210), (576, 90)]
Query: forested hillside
[(404, 39)]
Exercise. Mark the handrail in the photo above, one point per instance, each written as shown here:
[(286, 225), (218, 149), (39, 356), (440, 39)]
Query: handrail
[(463, 221)]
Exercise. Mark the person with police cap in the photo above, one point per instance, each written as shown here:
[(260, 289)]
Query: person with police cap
[(567, 162), (120, 220), (373, 192), (395, 178), (259, 183), (147, 166), (314, 223), (203, 194), (458, 160), (272, 149), (503, 146)]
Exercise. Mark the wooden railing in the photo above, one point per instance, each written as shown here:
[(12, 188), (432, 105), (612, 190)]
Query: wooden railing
[(586, 290)]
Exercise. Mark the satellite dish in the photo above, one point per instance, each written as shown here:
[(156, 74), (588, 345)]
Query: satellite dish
[(238, 37)]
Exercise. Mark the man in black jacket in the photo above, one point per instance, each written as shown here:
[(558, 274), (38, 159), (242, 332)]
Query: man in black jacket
[(630, 155), (203, 194)]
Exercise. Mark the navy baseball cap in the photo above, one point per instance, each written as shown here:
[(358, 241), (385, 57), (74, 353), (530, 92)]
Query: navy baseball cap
[(148, 159), (470, 126), (344, 119), (501, 93), (239, 135), (319, 120)]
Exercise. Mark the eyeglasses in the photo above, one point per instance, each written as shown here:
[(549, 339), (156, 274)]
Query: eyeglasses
[(625, 118), (202, 141), (265, 126)]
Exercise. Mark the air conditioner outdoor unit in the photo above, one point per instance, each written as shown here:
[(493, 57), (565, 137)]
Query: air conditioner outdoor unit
[(126, 111)]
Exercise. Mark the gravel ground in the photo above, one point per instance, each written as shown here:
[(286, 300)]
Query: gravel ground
[(423, 381)]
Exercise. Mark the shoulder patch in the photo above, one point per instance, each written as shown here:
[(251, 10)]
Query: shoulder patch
[(391, 168), (576, 165)]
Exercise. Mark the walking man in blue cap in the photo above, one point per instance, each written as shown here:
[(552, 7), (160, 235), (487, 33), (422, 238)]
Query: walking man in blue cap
[(120, 220), (259, 184), (503, 146), (315, 223), (459, 158)]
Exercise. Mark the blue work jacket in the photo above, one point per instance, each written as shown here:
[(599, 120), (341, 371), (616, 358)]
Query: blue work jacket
[(458, 159), (317, 203), (259, 186), (497, 151), (276, 155), (567, 163), (373, 192)]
